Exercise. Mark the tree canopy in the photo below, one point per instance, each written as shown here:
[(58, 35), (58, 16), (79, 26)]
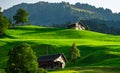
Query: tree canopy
[(4, 23), (22, 59), (21, 16)]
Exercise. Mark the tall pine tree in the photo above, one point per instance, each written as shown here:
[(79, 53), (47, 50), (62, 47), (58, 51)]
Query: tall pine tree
[(74, 53)]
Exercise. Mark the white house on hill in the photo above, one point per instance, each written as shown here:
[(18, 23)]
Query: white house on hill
[(77, 26)]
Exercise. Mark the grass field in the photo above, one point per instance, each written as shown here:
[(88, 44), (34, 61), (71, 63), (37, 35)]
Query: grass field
[(88, 70), (97, 49)]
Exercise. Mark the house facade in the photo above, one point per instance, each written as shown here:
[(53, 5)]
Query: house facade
[(77, 26), (50, 62)]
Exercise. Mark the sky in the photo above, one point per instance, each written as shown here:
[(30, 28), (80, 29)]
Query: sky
[(114, 5)]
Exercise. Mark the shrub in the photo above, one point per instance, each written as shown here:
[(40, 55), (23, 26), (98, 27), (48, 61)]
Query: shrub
[(42, 70), (2, 71)]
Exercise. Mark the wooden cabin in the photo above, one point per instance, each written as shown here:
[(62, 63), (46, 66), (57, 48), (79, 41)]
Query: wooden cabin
[(51, 62), (76, 26)]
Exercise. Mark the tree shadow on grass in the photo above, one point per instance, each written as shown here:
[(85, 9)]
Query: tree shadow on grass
[(44, 49), (7, 36), (93, 55), (87, 51), (49, 29), (97, 69)]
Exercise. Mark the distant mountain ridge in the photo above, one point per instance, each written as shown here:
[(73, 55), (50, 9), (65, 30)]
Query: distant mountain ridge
[(57, 14)]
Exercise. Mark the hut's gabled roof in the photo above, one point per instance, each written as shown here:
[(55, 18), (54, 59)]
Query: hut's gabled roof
[(51, 57)]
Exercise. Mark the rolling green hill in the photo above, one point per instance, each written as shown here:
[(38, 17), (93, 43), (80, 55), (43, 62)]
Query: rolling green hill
[(63, 13), (96, 49)]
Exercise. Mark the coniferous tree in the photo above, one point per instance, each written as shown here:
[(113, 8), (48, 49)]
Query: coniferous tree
[(74, 53), (22, 59)]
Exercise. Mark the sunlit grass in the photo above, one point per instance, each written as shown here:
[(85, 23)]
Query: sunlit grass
[(88, 70), (97, 49)]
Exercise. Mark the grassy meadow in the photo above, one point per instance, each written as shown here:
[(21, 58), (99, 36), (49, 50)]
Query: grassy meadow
[(100, 53)]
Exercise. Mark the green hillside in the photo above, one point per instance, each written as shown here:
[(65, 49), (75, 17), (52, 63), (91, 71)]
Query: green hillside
[(97, 49)]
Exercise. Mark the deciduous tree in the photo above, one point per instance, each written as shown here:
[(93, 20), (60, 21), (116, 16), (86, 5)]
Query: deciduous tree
[(22, 59), (4, 23), (21, 16)]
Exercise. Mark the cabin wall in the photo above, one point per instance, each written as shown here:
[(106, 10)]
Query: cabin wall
[(58, 62), (61, 60), (76, 26), (51, 65)]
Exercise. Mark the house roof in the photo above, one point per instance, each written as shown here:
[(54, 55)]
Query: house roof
[(74, 24), (51, 57)]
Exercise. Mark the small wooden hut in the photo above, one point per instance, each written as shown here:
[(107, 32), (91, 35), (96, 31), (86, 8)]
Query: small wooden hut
[(54, 61)]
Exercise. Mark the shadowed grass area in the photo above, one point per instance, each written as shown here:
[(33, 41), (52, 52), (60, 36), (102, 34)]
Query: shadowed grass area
[(2, 71), (91, 55)]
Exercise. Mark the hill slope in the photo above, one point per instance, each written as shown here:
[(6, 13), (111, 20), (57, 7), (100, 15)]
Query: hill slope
[(60, 14), (96, 49)]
